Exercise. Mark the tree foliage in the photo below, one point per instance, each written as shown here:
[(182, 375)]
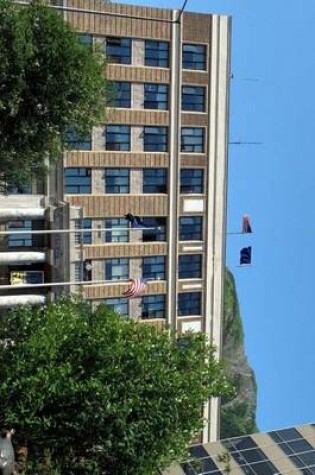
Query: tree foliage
[(99, 394), (49, 84)]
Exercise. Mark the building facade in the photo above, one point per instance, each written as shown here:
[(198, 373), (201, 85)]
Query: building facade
[(286, 451), (161, 154)]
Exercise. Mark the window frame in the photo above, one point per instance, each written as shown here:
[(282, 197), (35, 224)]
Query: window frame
[(196, 140), (156, 133), (154, 181), (195, 184), (115, 43), (158, 234), (194, 301), (120, 137), (119, 236), (154, 267), (111, 263), (194, 60), (20, 239), (83, 187), (123, 98), (160, 96), (122, 301), (159, 61), (121, 181), (86, 237), (188, 102), (183, 228), (158, 301), (192, 269)]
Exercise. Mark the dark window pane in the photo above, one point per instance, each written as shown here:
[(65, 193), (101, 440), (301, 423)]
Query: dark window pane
[(154, 180), (118, 137), (117, 180), (191, 180), (121, 94), (190, 228), (118, 50), (155, 139), (159, 231), (193, 98), (85, 39), (194, 56), (153, 306), (190, 266), (77, 180), (156, 53), (189, 304), (156, 96)]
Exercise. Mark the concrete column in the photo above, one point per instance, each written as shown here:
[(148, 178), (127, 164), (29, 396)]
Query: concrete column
[(138, 50), (137, 139), (137, 96), (98, 138), (21, 257), (98, 181)]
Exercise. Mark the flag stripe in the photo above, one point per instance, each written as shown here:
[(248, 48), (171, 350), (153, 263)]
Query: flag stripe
[(137, 287)]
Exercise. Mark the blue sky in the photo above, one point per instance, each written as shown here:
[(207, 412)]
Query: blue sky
[(274, 183)]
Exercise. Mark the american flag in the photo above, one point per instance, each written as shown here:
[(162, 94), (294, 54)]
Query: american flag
[(137, 287), (246, 226)]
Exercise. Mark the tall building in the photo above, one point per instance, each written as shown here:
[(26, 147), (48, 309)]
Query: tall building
[(161, 155), (280, 452)]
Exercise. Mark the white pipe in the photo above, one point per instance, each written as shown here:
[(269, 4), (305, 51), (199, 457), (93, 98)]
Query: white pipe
[(22, 213), (11, 300), (71, 231), (18, 257)]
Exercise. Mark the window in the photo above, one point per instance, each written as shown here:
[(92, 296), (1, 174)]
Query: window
[(154, 267), (83, 271), (85, 39), (121, 94), (193, 98), (190, 266), (116, 235), (73, 141), (118, 137), (192, 140), (190, 228), (194, 57), (77, 180), (117, 180), (189, 304), (118, 50), (156, 234), (118, 305), (86, 238), (156, 96), (20, 240), (252, 459), (191, 180), (155, 139), (201, 462), (153, 306), (154, 180), (117, 269), (156, 53), (299, 450)]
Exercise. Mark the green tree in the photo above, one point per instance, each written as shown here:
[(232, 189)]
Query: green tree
[(93, 393), (50, 84)]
